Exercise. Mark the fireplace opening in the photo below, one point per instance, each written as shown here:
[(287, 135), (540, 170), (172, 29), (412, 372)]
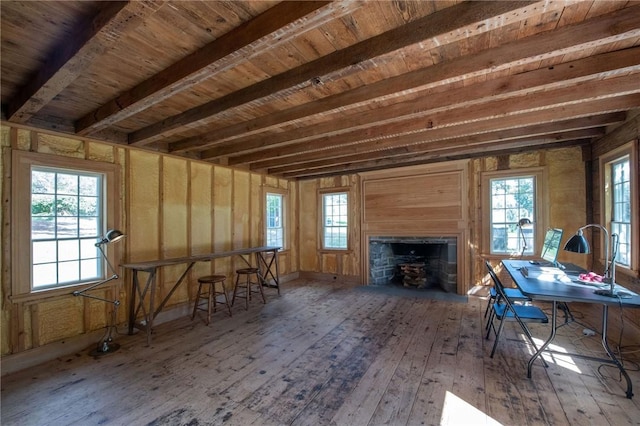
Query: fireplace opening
[(414, 262)]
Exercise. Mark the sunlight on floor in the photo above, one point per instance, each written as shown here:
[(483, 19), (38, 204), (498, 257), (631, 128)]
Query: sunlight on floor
[(564, 361), (458, 412)]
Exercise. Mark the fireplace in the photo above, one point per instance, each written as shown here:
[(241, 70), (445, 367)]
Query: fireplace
[(417, 262)]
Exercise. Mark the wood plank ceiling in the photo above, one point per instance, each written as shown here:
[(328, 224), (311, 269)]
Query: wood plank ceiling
[(314, 88)]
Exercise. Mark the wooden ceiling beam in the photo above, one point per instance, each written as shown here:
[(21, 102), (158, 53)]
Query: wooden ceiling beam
[(71, 57), (488, 141), (475, 152), (442, 122), (455, 22), (275, 26), (551, 115), (588, 34), (443, 98)]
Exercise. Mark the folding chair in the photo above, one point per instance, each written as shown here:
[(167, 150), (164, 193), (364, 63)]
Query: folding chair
[(504, 310), (513, 294)]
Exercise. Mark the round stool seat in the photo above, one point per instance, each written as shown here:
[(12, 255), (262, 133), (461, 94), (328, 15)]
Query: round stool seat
[(212, 279), (247, 271)]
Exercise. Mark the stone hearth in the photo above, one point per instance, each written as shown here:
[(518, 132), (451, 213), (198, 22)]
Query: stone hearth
[(438, 254)]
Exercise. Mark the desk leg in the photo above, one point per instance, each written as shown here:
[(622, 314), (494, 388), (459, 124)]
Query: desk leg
[(554, 316), (136, 306), (605, 344), (132, 301), (264, 275)]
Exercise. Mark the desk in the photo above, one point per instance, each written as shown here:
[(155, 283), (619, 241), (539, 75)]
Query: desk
[(267, 269), (557, 286)]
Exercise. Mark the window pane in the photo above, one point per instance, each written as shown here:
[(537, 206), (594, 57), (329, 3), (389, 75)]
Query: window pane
[(43, 182), (44, 275), (67, 227), (89, 270), (44, 252), (67, 184), (89, 185), (43, 228), (69, 272), (68, 250)]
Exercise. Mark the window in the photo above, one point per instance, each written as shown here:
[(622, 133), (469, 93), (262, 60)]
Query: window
[(275, 226), (621, 209), (67, 218), (60, 208), (334, 220), (512, 199), (620, 203)]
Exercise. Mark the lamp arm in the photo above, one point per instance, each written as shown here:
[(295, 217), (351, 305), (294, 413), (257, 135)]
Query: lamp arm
[(106, 258), (115, 276), (99, 283)]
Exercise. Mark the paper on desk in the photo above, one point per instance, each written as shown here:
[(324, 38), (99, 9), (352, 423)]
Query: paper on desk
[(545, 273)]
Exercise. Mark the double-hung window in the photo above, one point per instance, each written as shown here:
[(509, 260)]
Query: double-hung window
[(60, 208), (335, 209), (67, 219), (621, 209), (512, 216), (275, 220), (620, 201)]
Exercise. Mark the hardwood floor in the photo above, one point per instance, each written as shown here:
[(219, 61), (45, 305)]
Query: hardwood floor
[(326, 353)]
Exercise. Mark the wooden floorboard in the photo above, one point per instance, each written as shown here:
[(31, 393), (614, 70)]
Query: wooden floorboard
[(329, 354)]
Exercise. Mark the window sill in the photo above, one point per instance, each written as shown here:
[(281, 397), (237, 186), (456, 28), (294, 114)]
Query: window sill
[(57, 293)]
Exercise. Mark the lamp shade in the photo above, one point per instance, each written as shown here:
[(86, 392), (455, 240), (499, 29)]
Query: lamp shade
[(111, 236), (524, 221), (577, 244)]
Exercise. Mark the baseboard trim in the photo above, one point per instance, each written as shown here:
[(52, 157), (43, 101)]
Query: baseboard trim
[(321, 276)]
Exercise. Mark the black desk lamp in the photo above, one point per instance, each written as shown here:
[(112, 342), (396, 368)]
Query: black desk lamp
[(105, 345), (578, 244), (523, 222)]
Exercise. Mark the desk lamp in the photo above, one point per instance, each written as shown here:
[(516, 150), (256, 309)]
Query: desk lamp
[(578, 244), (523, 222), (105, 345)]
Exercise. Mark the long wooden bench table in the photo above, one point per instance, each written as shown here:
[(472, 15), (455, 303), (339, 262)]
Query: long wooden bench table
[(266, 262)]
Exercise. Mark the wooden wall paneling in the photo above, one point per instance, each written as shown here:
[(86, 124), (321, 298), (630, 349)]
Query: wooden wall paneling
[(144, 208), (200, 219), (289, 261), (431, 198), (241, 204), (174, 226), (222, 216), (256, 224), (308, 222), (427, 200), (8, 136), (567, 201)]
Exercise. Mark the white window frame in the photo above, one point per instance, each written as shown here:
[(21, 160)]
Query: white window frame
[(283, 218), (22, 164), (534, 233), (324, 225), (605, 163)]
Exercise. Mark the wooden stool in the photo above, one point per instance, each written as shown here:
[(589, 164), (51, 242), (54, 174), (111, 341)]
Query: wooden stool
[(207, 290), (245, 285)]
